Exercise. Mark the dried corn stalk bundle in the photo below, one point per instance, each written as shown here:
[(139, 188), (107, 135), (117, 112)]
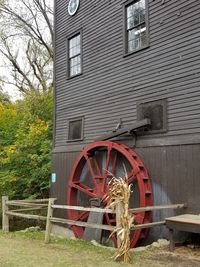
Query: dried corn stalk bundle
[(118, 198)]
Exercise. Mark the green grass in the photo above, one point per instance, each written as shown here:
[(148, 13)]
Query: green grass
[(59, 252), (18, 249), (23, 235), (70, 244)]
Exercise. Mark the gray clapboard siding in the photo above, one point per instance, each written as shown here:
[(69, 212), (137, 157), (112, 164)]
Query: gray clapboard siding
[(111, 85)]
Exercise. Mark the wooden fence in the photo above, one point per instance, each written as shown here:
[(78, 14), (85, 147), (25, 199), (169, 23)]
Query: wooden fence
[(49, 204)]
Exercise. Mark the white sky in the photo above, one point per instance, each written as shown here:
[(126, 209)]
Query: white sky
[(4, 71)]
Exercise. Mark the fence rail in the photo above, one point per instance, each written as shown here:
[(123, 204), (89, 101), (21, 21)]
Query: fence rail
[(25, 204), (49, 204), (26, 216), (66, 207), (163, 207)]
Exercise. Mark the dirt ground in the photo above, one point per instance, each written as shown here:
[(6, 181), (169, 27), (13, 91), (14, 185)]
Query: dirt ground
[(20, 250)]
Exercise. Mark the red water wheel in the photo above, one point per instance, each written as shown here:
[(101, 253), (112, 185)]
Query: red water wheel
[(89, 180)]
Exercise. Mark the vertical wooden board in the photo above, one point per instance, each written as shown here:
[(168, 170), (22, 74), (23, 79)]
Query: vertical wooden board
[(177, 173), (174, 171), (194, 197), (62, 164), (93, 234), (186, 172)]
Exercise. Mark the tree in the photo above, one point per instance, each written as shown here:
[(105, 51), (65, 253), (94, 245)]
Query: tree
[(25, 152), (26, 39), (26, 126)]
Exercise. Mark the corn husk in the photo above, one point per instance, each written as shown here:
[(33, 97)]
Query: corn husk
[(118, 196)]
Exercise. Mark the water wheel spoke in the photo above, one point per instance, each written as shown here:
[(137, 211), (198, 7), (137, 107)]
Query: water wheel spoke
[(82, 216), (131, 178), (97, 167), (110, 219), (107, 160), (138, 218), (90, 169), (114, 163), (77, 230), (83, 188)]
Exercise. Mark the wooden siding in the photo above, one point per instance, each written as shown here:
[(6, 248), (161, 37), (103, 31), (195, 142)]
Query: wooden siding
[(111, 85), (174, 173), (61, 165)]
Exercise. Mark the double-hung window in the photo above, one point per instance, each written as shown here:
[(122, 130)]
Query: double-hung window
[(136, 26), (74, 55)]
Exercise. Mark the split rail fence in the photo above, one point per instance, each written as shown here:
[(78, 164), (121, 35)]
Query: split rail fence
[(49, 204)]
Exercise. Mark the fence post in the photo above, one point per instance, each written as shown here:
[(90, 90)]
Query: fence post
[(48, 222), (5, 218), (119, 209)]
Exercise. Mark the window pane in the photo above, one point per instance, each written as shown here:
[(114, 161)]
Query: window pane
[(71, 43), (155, 112), (78, 40), (142, 3), (75, 61), (72, 62), (77, 49), (130, 11), (71, 52), (133, 45), (78, 60), (137, 38), (75, 130), (133, 40), (142, 11), (73, 71), (74, 46), (135, 14), (79, 68), (74, 51), (75, 65)]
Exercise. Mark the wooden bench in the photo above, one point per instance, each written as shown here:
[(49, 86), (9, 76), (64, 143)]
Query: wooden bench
[(186, 222)]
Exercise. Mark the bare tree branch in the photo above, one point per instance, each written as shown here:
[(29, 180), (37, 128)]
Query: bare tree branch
[(30, 25), (37, 70), (27, 27), (13, 61), (43, 10)]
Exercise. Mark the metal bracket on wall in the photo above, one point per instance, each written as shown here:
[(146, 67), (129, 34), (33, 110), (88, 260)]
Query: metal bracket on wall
[(125, 130)]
